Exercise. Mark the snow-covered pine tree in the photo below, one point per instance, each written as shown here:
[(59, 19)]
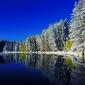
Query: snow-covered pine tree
[(77, 31)]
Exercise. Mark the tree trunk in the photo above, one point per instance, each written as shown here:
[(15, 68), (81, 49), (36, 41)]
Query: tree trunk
[(83, 56)]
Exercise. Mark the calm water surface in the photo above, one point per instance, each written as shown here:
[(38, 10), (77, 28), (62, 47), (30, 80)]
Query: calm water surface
[(34, 70), (29, 69)]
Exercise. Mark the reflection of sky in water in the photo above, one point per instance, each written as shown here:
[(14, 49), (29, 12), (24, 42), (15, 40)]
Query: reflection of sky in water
[(37, 69), (18, 73), (30, 66)]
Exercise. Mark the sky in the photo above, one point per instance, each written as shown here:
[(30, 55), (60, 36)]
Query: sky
[(23, 18)]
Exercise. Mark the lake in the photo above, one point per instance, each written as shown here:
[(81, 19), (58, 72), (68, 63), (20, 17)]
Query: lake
[(37, 69)]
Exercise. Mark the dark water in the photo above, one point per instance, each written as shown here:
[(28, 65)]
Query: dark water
[(26, 69), (18, 74)]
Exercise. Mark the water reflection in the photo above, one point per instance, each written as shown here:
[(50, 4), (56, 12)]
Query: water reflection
[(52, 66), (47, 64)]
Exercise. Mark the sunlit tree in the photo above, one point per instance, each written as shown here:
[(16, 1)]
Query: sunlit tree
[(78, 25)]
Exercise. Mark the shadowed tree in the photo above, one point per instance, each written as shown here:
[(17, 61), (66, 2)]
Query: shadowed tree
[(2, 44)]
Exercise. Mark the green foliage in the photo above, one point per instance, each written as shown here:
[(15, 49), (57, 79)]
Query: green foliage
[(23, 55), (68, 45), (23, 48), (69, 63)]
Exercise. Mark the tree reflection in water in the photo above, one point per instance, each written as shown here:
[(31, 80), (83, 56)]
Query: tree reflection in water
[(51, 66)]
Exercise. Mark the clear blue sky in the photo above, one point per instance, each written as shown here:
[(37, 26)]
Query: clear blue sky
[(22, 18)]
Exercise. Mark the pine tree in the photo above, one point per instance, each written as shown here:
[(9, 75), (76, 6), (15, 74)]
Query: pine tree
[(33, 44), (78, 25), (61, 32), (45, 41)]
